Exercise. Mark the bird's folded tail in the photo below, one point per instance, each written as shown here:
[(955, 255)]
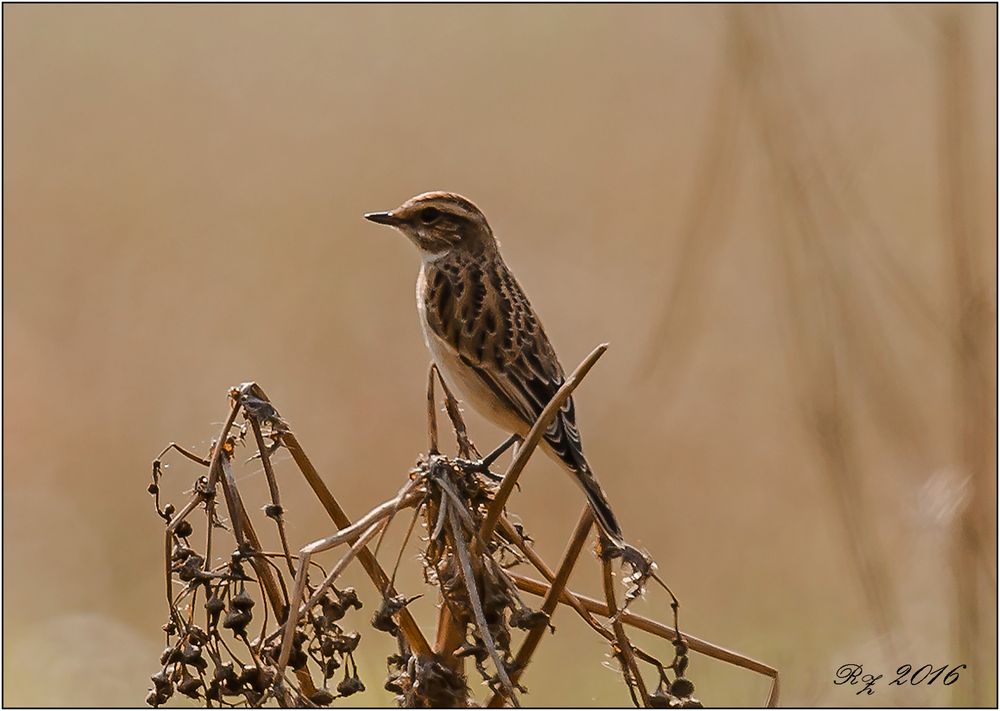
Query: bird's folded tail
[(603, 514), (563, 440)]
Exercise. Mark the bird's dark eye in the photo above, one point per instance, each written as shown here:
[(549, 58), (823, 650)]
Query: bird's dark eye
[(429, 214)]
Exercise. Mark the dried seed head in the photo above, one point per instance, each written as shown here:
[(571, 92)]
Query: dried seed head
[(183, 529), (297, 659), (682, 687), (190, 686), (191, 653), (661, 699), (524, 618), (214, 692), (396, 683), (350, 686), (322, 697), (161, 681), (169, 656), (383, 620), (224, 672), (332, 609), (331, 665), (326, 645), (159, 697), (254, 677), (237, 621), (242, 600), (200, 664), (197, 635), (349, 598), (478, 650), (215, 606), (346, 643)]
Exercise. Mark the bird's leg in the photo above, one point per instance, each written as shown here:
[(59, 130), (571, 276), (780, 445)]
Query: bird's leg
[(504, 446), (483, 465)]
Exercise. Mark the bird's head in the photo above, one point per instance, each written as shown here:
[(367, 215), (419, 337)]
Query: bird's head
[(439, 223)]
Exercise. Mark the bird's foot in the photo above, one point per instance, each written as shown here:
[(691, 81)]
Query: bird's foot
[(479, 466), (640, 564)]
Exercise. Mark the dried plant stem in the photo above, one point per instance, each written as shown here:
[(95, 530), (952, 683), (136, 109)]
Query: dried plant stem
[(220, 446), (272, 485), (630, 669), (465, 447), (537, 587), (246, 537), (465, 565), (177, 448), (551, 600), (432, 428)]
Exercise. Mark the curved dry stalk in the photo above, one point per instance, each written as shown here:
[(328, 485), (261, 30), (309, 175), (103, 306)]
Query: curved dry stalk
[(537, 587), (461, 548)]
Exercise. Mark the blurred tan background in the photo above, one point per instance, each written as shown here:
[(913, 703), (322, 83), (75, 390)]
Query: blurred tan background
[(782, 220)]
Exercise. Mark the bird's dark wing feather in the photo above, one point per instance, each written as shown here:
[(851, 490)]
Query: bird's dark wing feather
[(484, 315)]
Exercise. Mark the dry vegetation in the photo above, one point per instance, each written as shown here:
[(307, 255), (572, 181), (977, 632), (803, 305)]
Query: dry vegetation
[(217, 650)]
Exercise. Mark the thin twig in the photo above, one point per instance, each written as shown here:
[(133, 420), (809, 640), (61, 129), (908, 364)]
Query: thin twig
[(466, 449), (630, 670)]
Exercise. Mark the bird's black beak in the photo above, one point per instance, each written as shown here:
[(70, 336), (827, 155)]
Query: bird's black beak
[(383, 218)]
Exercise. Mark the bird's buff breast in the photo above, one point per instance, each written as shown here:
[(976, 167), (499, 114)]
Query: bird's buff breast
[(461, 379)]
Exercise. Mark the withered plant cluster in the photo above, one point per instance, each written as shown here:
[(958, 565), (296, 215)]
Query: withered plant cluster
[(248, 627)]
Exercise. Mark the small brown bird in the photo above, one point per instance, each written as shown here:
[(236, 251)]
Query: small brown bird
[(483, 334)]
